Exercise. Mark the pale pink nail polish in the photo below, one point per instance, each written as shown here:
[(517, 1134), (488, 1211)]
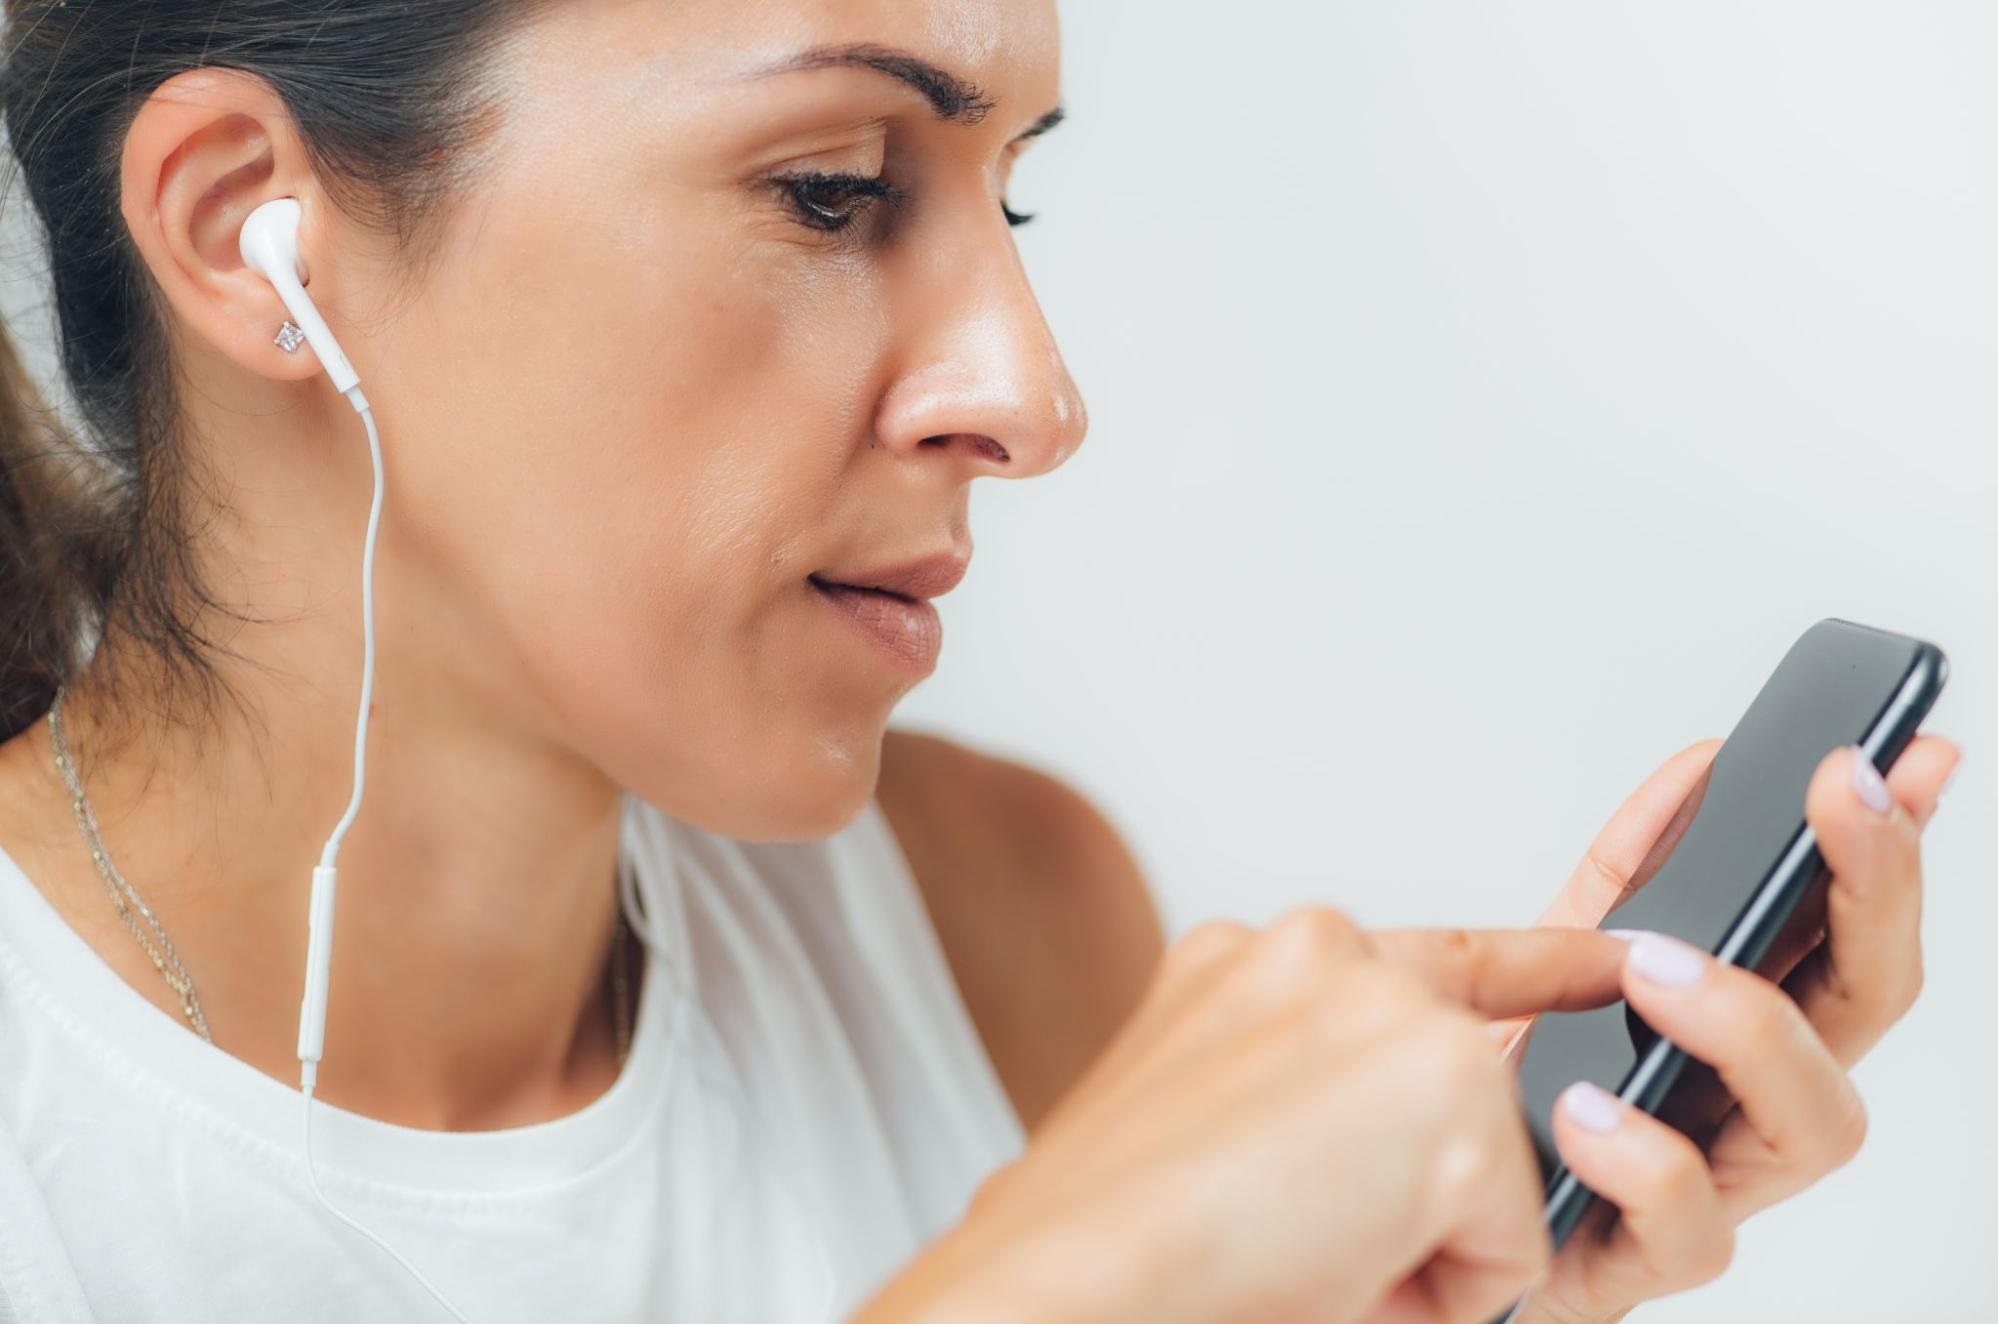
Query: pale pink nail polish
[(1868, 783), (1592, 1107), (1665, 960)]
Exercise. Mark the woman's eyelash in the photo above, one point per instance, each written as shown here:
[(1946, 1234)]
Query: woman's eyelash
[(830, 202)]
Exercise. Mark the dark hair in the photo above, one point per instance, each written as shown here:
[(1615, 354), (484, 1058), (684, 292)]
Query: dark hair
[(96, 541)]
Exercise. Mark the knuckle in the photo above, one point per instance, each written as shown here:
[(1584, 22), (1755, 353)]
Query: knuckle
[(1765, 1015), (1912, 980), (1315, 929), (1847, 1134), (1616, 881), (1303, 946), (1461, 951), (1714, 1255), (1297, 968), (1205, 942), (1681, 1180), (1454, 943)]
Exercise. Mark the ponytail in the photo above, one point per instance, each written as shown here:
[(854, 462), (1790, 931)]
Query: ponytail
[(38, 597)]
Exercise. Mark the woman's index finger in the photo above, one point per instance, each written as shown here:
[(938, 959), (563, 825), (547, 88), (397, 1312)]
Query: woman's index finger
[(1511, 972), (1628, 846)]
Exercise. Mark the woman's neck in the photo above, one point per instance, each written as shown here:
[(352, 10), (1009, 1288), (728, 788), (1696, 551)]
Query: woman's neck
[(476, 900)]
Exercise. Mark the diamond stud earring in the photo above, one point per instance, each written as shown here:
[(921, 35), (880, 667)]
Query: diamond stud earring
[(289, 338)]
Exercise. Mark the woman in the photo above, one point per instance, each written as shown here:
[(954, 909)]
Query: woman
[(688, 328)]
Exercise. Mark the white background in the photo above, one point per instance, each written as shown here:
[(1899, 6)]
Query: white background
[(1484, 397)]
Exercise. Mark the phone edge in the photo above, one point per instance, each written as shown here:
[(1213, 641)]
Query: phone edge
[(1748, 938)]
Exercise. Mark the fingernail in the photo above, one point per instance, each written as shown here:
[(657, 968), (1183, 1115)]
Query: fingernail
[(1867, 781), (1592, 1107), (1951, 779), (1666, 960), (1626, 935)]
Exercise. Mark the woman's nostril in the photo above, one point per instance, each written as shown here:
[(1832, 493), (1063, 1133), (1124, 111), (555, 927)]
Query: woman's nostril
[(984, 445)]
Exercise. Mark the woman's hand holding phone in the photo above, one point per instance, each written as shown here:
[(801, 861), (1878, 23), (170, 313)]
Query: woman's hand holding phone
[(1306, 1124), (1781, 1051), (1310, 1124)]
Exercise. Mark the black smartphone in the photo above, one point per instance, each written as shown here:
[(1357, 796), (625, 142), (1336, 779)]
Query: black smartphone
[(1738, 873)]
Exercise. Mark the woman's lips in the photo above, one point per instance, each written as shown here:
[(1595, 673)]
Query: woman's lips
[(907, 632)]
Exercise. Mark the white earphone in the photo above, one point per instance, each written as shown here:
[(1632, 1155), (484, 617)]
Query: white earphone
[(269, 245)]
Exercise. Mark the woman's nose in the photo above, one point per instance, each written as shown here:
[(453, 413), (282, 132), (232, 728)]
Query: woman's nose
[(985, 382)]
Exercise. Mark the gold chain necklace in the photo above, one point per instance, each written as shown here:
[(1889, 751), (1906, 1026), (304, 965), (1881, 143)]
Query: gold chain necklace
[(126, 898)]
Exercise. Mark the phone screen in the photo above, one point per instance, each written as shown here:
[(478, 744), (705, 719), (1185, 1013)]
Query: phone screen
[(1837, 686)]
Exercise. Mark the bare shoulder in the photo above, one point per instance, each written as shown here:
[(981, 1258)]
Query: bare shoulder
[(1039, 905)]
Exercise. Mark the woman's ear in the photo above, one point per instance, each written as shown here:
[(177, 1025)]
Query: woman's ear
[(206, 149)]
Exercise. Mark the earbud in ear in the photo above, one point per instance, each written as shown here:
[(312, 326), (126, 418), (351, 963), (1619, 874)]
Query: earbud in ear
[(269, 245)]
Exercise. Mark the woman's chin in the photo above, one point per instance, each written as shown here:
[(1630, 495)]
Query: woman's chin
[(814, 790)]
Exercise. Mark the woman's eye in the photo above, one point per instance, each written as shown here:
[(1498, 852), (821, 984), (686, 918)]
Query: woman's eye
[(830, 203), (833, 202)]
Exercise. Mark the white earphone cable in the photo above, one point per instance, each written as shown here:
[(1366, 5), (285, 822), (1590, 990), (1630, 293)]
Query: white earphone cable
[(312, 1177), (367, 413), (319, 955)]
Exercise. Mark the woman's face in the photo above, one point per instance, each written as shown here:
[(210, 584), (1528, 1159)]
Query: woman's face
[(733, 310)]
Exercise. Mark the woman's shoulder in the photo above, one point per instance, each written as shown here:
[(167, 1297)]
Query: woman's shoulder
[(1040, 906)]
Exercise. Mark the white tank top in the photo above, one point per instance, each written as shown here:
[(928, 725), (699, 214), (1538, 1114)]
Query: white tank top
[(776, 1168)]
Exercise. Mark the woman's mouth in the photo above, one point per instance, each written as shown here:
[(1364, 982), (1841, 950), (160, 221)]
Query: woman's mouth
[(906, 632)]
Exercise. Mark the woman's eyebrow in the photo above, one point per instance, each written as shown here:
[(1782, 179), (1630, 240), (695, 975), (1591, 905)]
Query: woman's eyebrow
[(951, 97)]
